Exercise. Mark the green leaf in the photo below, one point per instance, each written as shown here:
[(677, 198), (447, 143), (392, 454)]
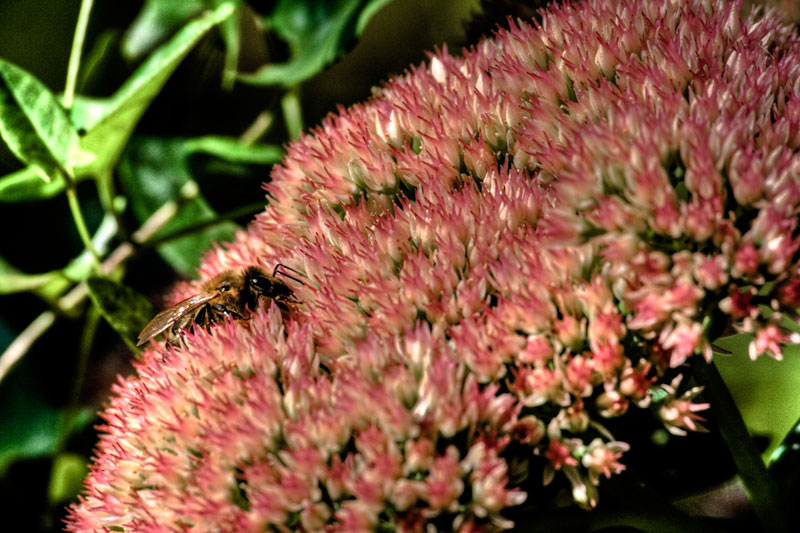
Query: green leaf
[(124, 309), (33, 124), (154, 173), (13, 280), (27, 185), (66, 477), (154, 23), (316, 34), (108, 130), (765, 390), (230, 149)]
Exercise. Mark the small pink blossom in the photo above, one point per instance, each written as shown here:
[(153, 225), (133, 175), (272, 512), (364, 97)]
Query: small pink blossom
[(678, 412), (746, 261), (789, 293), (611, 404), (634, 382), (538, 351), (683, 341), (711, 272), (739, 303), (529, 430), (560, 454), (608, 358), (602, 458), (443, 485), (770, 339), (579, 375)]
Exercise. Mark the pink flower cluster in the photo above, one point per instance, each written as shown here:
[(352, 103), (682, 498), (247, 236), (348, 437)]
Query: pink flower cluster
[(500, 251)]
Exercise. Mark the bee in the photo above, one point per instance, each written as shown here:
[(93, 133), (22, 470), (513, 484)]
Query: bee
[(231, 294)]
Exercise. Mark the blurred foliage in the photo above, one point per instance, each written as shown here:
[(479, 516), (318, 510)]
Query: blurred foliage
[(114, 189)]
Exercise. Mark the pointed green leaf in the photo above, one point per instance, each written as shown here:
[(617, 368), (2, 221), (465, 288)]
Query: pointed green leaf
[(124, 309), (108, 129), (316, 34), (33, 123), (27, 185)]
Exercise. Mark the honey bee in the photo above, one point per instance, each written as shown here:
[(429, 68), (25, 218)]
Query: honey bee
[(230, 294)]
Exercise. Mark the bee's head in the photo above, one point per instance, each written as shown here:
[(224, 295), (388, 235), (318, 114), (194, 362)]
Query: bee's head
[(261, 285), (258, 281)]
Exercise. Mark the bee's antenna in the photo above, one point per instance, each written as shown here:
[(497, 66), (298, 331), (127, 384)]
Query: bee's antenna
[(279, 266)]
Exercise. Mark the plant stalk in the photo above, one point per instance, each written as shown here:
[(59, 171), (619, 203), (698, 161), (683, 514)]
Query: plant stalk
[(292, 113), (75, 53), (80, 223), (757, 480)]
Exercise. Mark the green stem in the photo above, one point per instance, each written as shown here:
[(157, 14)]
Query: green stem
[(194, 228), (75, 53), (258, 128), (292, 113), (112, 204), (80, 223), (753, 472)]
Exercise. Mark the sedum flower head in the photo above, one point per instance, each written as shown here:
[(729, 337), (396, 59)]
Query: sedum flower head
[(501, 251)]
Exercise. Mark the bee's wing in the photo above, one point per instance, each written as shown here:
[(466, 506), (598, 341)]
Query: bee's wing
[(167, 318)]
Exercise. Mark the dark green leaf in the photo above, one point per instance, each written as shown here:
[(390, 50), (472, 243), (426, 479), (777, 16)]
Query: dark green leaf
[(33, 124), (29, 426), (316, 34), (229, 149), (124, 309), (153, 173)]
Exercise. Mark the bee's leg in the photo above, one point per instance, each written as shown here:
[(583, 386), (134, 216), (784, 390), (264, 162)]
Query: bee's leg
[(173, 336), (281, 266), (205, 317), (218, 312), (284, 308)]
